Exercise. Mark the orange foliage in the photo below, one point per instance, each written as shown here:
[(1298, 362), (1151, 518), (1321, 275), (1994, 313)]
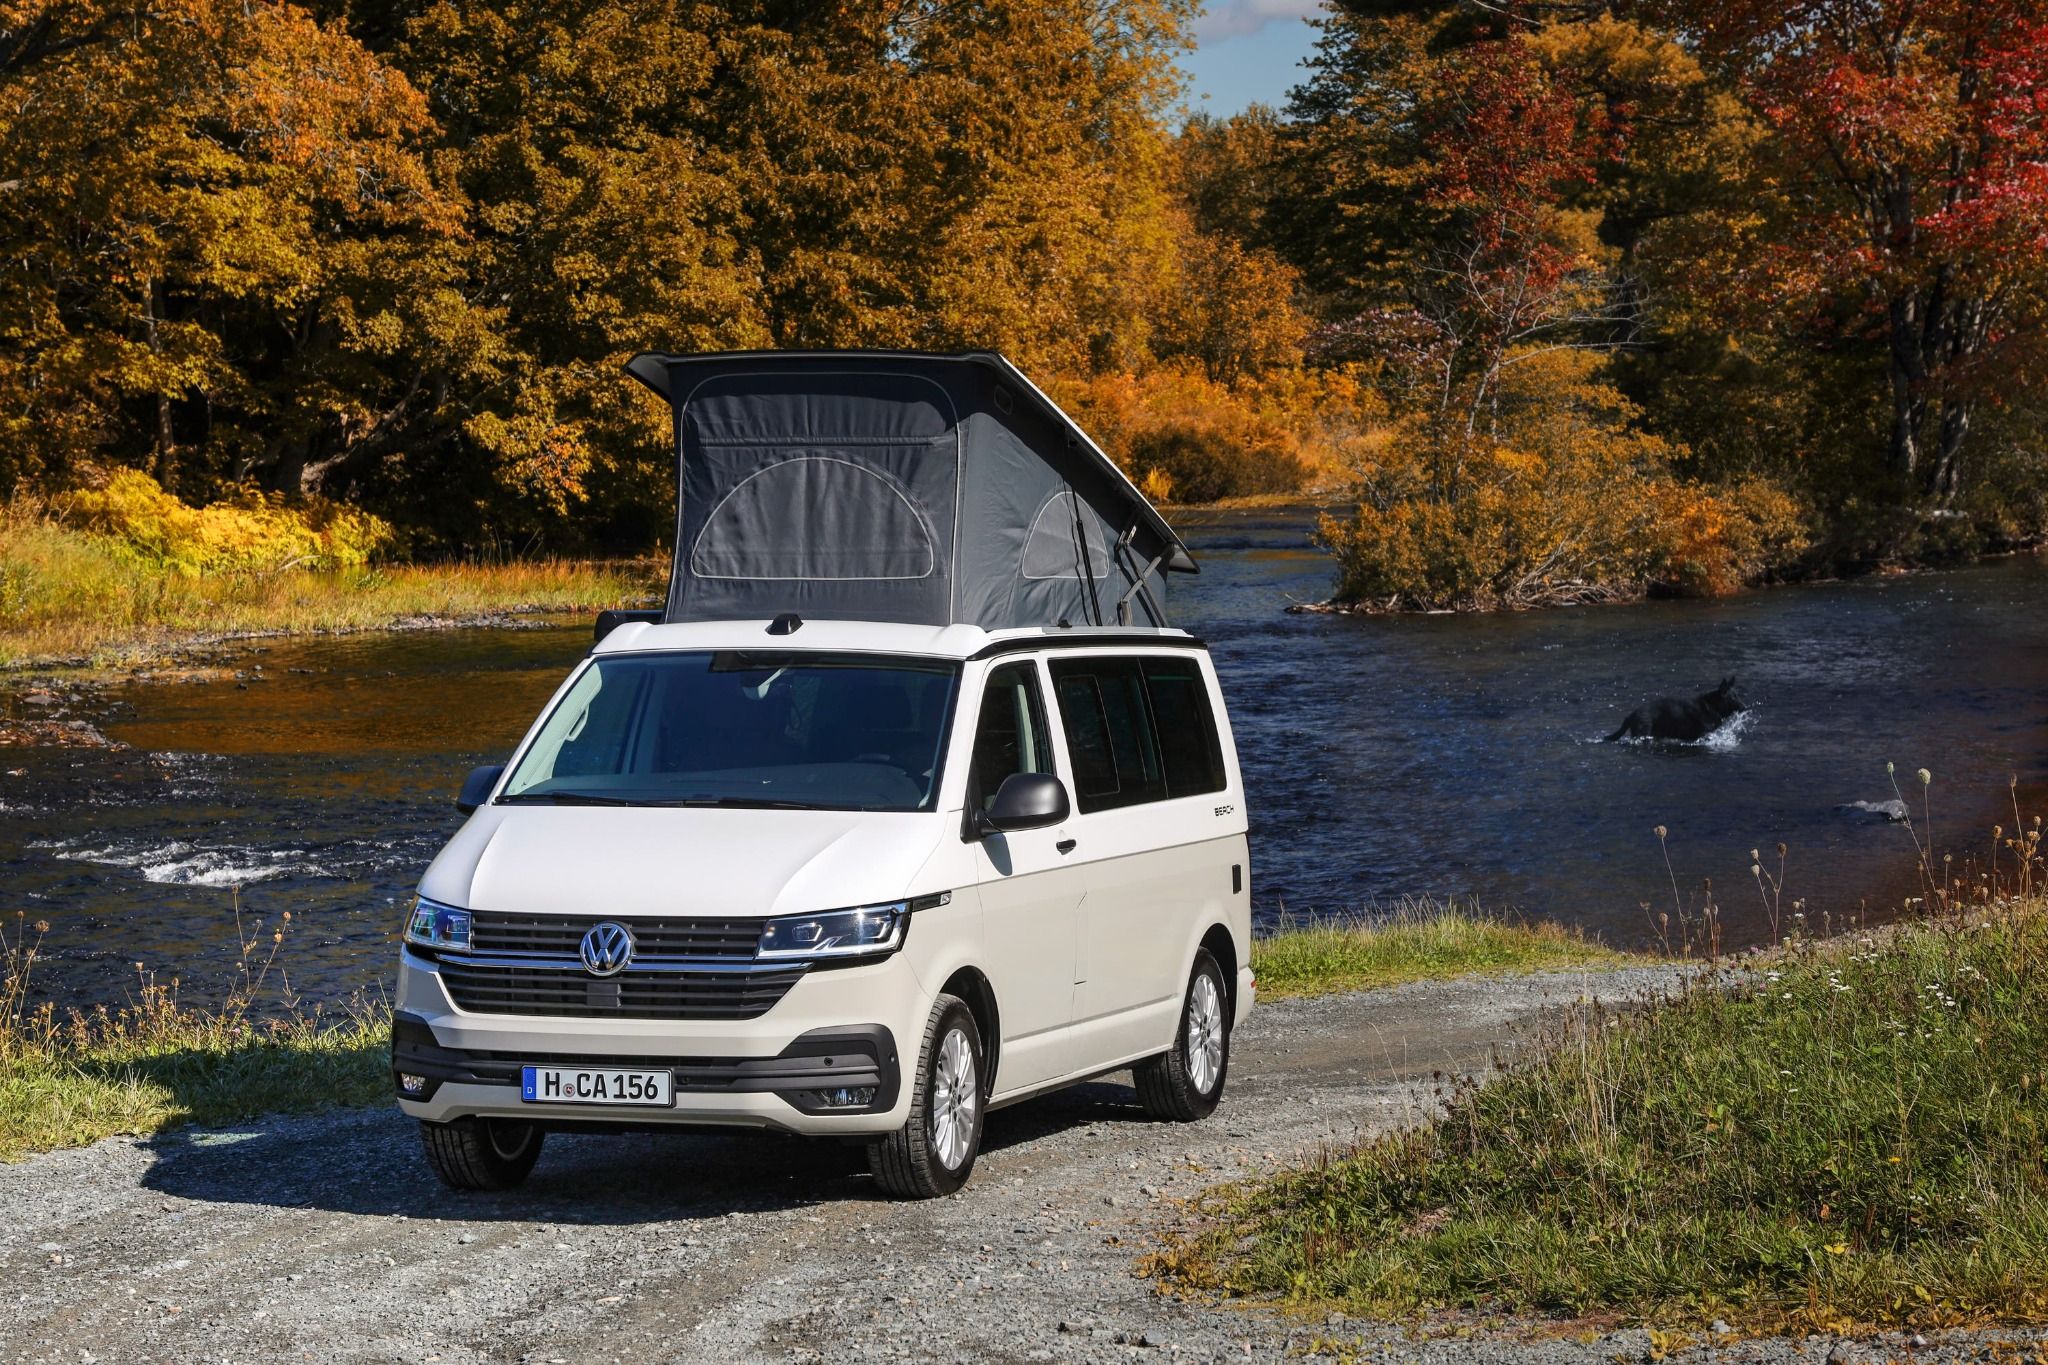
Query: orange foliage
[(1188, 438)]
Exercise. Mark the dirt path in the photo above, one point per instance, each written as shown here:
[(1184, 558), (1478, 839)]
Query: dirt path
[(326, 1239)]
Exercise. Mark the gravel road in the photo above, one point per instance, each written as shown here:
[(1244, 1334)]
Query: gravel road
[(326, 1239)]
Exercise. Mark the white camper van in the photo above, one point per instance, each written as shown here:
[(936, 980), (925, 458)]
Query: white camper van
[(846, 840)]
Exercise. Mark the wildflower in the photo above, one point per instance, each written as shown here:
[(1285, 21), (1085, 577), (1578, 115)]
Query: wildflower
[(1661, 831), (1837, 1248)]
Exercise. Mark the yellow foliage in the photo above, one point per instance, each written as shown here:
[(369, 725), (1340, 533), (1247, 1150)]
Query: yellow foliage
[(1555, 496), (1714, 543), (251, 531)]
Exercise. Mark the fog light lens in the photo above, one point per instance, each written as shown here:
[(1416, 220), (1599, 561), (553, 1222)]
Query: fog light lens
[(411, 1084), (847, 1097)]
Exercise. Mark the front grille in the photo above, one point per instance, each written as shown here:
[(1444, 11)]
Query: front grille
[(531, 964), (562, 935), (537, 990)]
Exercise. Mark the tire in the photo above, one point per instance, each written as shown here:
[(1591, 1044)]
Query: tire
[(481, 1154), (933, 1153), (1184, 1083)]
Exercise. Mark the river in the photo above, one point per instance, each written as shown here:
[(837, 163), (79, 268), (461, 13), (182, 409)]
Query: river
[(1384, 758)]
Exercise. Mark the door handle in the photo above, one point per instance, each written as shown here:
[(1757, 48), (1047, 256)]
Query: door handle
[(1065, 845)]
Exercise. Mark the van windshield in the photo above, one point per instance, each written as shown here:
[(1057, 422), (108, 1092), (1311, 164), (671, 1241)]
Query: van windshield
[(809, 731)]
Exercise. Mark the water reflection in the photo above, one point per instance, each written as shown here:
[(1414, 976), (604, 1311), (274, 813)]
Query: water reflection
[(1442, 755)]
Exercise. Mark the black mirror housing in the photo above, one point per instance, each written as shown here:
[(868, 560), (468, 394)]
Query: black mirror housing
[(1024, 801), (476, 788)]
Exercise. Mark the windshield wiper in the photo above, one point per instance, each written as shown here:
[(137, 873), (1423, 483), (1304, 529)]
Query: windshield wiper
[(575, 799), (738, 803)]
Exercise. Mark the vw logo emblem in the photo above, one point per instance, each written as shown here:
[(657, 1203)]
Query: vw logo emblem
[(607, 948)]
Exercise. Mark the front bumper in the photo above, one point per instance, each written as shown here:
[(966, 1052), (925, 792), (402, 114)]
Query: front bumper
[(801, 1075), (767, 1072)]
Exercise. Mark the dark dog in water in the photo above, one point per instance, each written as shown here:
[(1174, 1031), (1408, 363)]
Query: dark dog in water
[(1670, 718)]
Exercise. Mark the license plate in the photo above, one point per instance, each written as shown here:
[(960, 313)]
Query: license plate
[(594, 1085)]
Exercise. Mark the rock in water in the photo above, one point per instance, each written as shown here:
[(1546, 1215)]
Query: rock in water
[(1894, 811)]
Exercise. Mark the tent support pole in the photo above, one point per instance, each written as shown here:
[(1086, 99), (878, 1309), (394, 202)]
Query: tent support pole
[(1138, 585)]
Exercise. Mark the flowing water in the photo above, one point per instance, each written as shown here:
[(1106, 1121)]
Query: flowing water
[(1448, 756)]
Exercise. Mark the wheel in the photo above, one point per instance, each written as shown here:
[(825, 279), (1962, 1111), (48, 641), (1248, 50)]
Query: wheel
[(933, 1152), (1183, 1083), (481, 1154)]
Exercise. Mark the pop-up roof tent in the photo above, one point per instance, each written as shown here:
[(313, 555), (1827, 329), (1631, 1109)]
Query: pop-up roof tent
[(897, 486)]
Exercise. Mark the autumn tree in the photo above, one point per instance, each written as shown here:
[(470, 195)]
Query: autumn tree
[(189, 188), (1902, 196)]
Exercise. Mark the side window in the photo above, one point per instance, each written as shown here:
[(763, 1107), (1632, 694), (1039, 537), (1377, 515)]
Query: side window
[(1009, 735), (1137, 730), (1189, 748), (1110, 735)]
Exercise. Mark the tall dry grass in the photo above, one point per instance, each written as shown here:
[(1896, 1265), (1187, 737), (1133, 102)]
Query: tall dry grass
[(1417, 939), (70, 1077), (72, 595)]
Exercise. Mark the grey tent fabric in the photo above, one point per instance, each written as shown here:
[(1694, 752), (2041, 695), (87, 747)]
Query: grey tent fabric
[(898, 486)]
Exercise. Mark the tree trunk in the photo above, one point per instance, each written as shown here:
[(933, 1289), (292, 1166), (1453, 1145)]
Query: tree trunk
[(1944, 476), (166, 450), (1909, 390)]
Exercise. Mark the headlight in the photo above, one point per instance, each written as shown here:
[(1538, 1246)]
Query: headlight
[(434, 925), (869, 929)]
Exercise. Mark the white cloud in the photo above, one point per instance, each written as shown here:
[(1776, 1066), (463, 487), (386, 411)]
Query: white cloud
[(1235, 18)]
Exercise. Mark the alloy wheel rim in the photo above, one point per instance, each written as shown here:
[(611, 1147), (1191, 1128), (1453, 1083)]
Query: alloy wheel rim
[(955, 1095), (1205, 1034)]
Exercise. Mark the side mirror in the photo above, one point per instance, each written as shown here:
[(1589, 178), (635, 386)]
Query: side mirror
[(476, 788), (1024, 801)]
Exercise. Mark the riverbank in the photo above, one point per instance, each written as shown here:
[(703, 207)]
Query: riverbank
[(157, 1064), (1848, 1134), (1630, 592), (71, 1078), (72, 600), (1417, 941)]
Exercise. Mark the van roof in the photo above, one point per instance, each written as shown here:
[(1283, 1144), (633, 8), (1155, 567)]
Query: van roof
[(877, 637)]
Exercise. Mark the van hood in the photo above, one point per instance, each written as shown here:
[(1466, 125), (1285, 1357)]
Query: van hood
[(684, 861)]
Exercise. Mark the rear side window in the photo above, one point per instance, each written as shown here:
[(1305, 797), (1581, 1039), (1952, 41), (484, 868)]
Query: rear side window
[(1138, 730)]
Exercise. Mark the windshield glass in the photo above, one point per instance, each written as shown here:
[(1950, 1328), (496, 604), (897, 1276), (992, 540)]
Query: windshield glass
[(806, 730)]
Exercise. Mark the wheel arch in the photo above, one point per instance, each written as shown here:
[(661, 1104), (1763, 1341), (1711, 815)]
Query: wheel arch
[(971, 986), (1222, 945)]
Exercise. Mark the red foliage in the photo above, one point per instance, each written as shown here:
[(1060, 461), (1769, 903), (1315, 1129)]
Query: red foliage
[(1914, 172)]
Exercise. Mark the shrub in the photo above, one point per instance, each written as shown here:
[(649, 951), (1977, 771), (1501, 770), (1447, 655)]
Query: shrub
[(1555, 496), (251, 531), (1715, 542)]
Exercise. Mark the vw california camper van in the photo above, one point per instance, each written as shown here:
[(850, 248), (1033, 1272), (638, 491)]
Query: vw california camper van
[(907, 805)]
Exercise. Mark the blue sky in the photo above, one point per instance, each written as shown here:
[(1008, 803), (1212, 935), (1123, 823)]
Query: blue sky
[(1246, 51)]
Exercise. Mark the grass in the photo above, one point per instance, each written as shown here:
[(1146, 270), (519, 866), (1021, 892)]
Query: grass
[(1420, 941), (70, 596), (1852, 1136), (157, 1064)]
